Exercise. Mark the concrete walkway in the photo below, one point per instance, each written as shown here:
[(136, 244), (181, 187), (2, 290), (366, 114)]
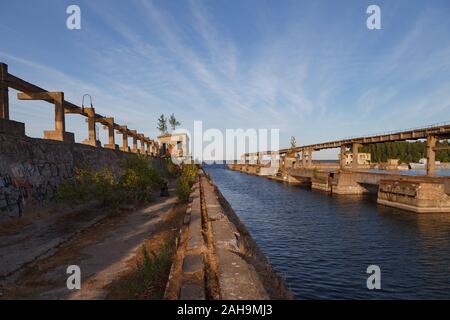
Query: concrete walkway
[(103, 252), (40, 235)]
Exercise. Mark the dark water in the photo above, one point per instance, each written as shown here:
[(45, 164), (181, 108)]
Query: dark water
[(323, 244)]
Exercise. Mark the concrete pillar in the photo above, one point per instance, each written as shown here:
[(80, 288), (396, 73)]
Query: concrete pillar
[(60, 120), (142, 141), (4, 92), (431, 155), (60, 133), (310, 151), (151, 148), (6, 125), (124, 131), (355, 149), (342, 157), (134, 135), (111, 137), (148, 147), (92, 141), (304, 158)]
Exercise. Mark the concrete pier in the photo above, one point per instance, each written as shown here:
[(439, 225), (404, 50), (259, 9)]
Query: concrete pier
[(420, 194)]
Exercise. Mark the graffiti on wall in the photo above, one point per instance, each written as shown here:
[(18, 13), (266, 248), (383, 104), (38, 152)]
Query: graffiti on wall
[(29, 184)]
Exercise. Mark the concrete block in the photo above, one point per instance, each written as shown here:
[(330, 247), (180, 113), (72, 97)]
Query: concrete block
[(59, 136), (224, 235), (112, 147), (193, 263), (192, 291), (238, 280), (195, 241)]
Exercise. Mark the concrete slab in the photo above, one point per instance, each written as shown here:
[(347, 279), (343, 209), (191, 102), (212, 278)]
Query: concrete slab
[(192, 291), (238, 280), (195, 241), (193, 263)]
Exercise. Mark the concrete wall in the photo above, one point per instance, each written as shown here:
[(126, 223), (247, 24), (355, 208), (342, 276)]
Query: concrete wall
[(32, 169), (418, 196)]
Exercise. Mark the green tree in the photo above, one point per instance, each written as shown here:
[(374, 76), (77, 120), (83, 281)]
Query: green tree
[(174, 123), (162, 124), (293, 142)]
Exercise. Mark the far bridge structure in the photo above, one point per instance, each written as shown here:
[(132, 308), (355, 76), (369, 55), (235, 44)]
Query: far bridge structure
[(421, 194)]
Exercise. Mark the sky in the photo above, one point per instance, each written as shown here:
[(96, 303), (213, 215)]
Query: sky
[(309, 68)]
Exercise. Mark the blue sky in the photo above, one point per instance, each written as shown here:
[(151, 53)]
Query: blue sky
[(310, 68)]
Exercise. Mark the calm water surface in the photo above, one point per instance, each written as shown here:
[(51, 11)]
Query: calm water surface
[(322, 244)]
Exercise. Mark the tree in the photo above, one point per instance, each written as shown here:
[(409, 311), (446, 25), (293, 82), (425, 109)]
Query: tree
[(173, 122), (162, 124), (293, 142)]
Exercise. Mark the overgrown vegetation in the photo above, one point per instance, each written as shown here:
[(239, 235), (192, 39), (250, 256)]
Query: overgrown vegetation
[(137, 180), (186, 181), (405, 151), (172, 170), (151, 269)]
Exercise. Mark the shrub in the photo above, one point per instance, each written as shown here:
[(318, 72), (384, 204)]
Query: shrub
[(139, 178), (136, 182), (172, 170), (186, 181), (88, 185)]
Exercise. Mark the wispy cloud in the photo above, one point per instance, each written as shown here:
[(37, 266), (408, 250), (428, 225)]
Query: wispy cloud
[(313, 70)]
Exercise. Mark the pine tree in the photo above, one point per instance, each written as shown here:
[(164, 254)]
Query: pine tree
[(173, 122), (162, 124)]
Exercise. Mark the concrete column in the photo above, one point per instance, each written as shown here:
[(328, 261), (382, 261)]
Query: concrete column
[(355, 149), (134, 135), (4, 92), (431, 155), (148, 147), (342, 157), (92, 141), (124, 131), (60, 121), (142, 141), (111, 137), (60, 133), (310, 151)]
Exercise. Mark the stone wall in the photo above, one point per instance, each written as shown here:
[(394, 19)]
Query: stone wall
[(31, 170)]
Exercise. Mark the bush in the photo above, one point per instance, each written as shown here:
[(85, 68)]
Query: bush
[(88, 185), (172, 170), (137, 181), (186, 181), (139, 178)]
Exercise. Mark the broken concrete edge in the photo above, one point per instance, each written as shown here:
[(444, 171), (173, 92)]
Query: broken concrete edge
[(273, 283)]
